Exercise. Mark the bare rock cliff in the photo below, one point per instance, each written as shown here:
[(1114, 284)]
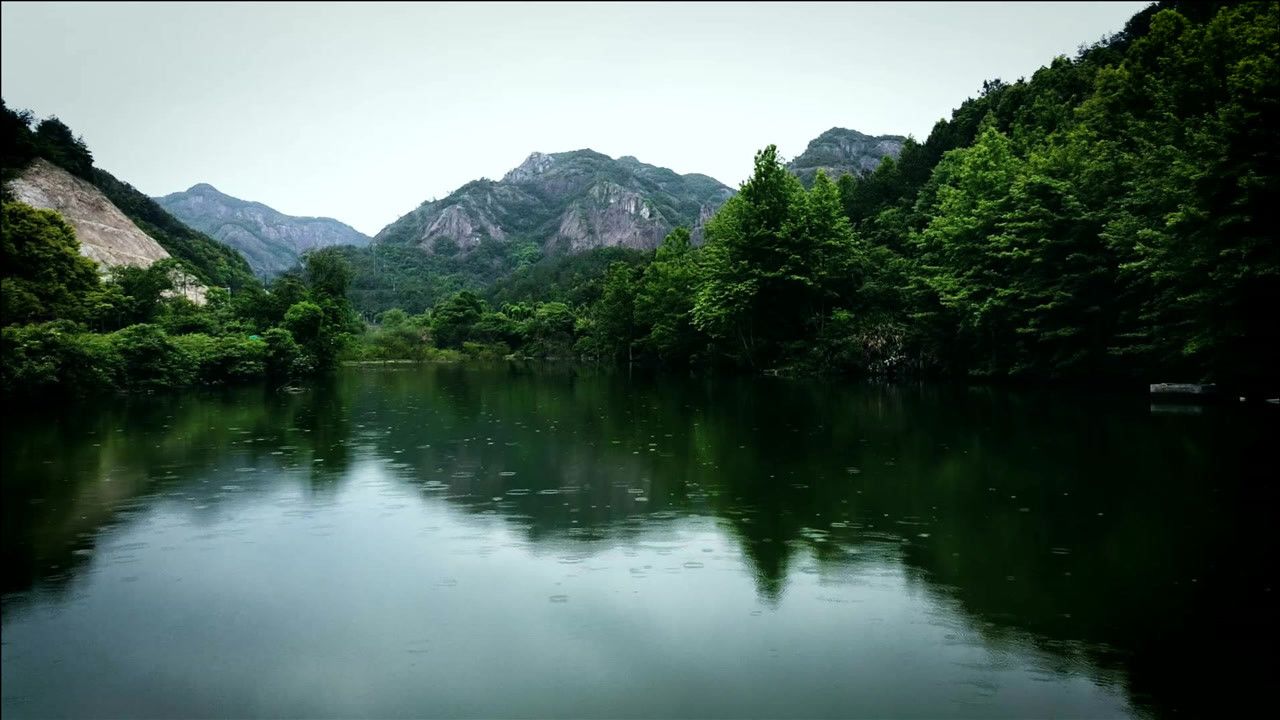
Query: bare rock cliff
[(107, 236), (563, 202), (840, 150)]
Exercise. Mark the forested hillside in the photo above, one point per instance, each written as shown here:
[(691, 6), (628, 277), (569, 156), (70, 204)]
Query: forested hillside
[(210, 261), (70, 330), (72, 326), (1111, 217)]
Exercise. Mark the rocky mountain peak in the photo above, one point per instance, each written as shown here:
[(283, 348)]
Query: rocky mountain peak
[(841, 150), (536, 164), (567, 201)]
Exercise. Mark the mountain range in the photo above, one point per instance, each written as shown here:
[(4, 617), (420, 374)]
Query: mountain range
[(552, 203)]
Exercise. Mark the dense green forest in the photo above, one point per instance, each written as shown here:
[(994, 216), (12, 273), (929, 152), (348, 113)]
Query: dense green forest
[(1111, 217)]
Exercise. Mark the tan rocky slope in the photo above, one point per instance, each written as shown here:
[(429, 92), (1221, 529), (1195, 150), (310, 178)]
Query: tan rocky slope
[(107, 236)]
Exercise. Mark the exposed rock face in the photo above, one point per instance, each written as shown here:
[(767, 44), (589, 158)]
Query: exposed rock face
[(271, 241), (564, 202), (536, 164), (839, 151), (107, 236)]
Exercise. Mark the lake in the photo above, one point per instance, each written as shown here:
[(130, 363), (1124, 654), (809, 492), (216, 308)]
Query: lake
[(513, 541)]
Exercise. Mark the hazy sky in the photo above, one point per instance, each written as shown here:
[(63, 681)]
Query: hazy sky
[(362, 111)]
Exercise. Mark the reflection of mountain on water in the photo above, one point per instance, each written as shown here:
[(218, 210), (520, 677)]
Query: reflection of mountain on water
[(1086, 528)]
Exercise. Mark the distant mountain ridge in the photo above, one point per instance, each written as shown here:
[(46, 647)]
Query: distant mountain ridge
[(270, 240), (841, 150), (563, 202)]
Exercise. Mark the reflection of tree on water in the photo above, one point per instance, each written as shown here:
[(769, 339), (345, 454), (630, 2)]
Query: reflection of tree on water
[(70, 476), (1084, 527), (321, 416)]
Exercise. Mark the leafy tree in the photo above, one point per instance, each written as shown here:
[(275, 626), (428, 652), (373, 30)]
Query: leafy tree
[(319, 339), (143, 289), (831, 269), (17, 143), (453, 321), (179, 316), (777, 260), (665, 297), (1181, 159), (63, 148), (497, 328), (327, 274), (612, 331), (551, 331), (393, 318), (284, 359), (44, 277), (963, 259), (755, 284), (32, 356), (226, 359), (151, 360)]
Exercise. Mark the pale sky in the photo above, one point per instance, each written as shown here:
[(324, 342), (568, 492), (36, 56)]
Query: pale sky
[(362, 111)]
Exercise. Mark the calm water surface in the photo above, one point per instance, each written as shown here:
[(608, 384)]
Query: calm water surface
[(444, 541)]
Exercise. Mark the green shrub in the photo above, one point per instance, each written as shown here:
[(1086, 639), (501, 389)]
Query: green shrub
[(485, 351), (283, 358), (91, 364), (31, 356), (180, 316), (239, 359), (57, 357), (151, 360)]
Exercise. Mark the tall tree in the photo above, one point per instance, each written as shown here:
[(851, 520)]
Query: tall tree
[(63, 148), (665, 298), (755, 283), (613, 331), (44, 276), (964, 260)]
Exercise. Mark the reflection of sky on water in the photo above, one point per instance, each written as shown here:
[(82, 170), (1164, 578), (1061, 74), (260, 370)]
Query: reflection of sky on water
[(248, 593), (518, 544)]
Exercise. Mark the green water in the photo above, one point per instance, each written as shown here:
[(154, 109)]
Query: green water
[(446, 541)]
